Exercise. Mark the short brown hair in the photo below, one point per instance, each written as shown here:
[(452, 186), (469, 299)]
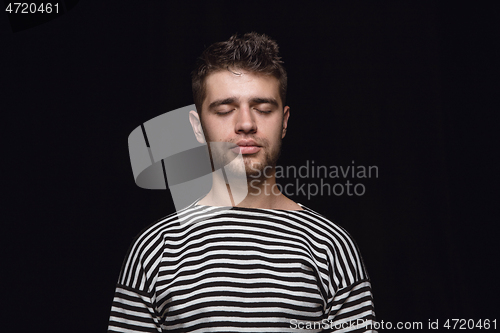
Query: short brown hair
[(253, 52)]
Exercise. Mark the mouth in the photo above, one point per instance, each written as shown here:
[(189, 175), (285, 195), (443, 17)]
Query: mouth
[(245, 150), (246, 147)]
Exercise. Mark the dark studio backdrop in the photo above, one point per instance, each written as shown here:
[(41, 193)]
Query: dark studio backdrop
[(408, 86)]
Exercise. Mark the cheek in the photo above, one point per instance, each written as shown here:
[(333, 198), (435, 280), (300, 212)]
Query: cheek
[(215, 130), (272, 135), (277, 129)]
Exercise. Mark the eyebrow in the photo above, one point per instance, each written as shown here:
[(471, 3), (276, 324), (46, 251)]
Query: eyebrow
[(254, 100), (258, 100), (224, 101)]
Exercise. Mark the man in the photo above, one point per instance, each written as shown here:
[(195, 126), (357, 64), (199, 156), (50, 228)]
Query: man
[(260, 263)]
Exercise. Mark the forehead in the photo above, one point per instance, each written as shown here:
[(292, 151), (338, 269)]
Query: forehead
[(225, 84)]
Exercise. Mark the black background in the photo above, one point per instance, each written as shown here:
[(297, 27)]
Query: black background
[(408, 86)]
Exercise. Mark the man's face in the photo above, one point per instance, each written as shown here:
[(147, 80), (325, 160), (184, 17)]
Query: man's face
[(246, 112)]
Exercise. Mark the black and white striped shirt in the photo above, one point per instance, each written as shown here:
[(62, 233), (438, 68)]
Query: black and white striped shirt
[(232, 269)]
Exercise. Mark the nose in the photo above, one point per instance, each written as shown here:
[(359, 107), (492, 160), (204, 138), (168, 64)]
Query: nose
[(245, 121)]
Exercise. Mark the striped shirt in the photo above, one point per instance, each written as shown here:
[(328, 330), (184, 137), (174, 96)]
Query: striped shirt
[(234, 269)]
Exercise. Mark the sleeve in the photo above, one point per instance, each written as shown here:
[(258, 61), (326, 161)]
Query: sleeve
[(132, 311), (134, 304), (352, 309), (350, 304)]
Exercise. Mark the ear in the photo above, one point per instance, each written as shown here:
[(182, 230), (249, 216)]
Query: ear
[(194, 119), (286, 115)]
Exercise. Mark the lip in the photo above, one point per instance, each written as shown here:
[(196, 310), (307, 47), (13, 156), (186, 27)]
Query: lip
[(246, 147), (247, 142), (245, 150)]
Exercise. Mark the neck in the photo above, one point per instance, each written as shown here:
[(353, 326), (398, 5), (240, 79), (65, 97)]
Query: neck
[(250, 193)]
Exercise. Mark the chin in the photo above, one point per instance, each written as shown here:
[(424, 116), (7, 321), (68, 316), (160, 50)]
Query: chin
[(254, 168)]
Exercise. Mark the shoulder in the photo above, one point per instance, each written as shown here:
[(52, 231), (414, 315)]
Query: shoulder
[(166, 226), (148, 246), (329, 227), (344, 254)]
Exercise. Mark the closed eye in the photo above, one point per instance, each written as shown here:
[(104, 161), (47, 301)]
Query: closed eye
[(264, 112), (221, 113)]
